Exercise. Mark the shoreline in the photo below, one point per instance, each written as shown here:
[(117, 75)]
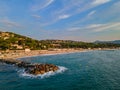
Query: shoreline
[(16, 54), (52, 54)]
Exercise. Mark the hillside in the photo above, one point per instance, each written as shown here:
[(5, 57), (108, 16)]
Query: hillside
[(9, 40), (12, 41)]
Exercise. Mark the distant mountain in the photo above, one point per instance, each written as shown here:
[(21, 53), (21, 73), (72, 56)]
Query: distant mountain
[(116, 41), (113, 42)]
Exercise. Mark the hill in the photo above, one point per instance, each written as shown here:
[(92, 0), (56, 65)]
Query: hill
[(9, 40), (116, 41), (13, 41)]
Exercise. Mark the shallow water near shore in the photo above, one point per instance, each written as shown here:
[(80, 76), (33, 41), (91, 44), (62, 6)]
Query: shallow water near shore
[(94, 70)]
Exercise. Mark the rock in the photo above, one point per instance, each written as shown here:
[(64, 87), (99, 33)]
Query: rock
[(41, 69), (55, 68), (34, 69)]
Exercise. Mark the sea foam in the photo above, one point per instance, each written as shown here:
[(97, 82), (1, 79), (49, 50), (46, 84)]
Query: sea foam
[(22, 73)]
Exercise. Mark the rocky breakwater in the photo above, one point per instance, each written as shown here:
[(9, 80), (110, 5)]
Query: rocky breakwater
[(30, 68), (41, 68)]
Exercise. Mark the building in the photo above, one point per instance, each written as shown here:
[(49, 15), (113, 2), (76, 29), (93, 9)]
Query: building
[(27, 50)]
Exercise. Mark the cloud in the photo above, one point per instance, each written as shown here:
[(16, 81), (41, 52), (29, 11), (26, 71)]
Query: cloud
[(97, 27), (94, 26), (41, 4), (102, 15), (105, 15), (35, 16), (74, 29), (104, 27), (98, 2), (66, 10), (70, 7), (73, 7), (8, 23), (91, 13), (87, 17), (63, 16)]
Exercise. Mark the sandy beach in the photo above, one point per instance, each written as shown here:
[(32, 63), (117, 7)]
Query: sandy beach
[(14, 54)]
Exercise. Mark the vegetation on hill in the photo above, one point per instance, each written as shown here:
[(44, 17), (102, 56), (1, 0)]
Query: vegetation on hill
[(12, 41)]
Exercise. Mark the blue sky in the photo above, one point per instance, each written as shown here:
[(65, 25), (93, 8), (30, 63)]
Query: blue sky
[(83, 20)]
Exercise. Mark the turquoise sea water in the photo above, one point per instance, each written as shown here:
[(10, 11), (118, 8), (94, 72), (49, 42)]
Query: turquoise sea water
[(94, 70)]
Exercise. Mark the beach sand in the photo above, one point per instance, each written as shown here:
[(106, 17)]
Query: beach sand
[(14, 54)]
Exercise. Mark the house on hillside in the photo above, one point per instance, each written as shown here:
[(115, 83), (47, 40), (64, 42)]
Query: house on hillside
[(16, 46), (27, 50)]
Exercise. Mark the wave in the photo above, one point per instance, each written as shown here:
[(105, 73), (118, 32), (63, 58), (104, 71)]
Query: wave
[(22, 73)]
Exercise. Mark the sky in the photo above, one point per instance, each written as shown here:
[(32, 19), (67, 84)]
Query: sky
[(81, 20)]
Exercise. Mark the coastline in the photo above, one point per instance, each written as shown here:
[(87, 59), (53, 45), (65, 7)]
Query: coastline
[(15, 54), (62, 53)]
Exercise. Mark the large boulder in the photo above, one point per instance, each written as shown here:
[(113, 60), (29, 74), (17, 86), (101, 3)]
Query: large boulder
[(41, 69)]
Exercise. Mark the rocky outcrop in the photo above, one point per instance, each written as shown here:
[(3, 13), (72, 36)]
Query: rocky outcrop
[(34, 69), (41, 68)]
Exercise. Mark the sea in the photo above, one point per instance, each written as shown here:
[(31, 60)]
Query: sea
[(91, 70)]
